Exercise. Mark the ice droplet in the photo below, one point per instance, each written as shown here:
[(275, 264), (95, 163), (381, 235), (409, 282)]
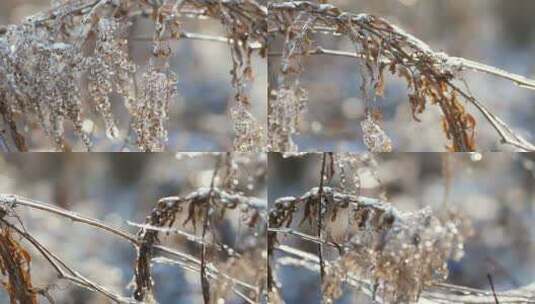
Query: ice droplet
[(476, 156), (112, 132), (87, 126), (375, 137)]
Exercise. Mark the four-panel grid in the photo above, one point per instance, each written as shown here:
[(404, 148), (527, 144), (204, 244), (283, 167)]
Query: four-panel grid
[(329, 151)]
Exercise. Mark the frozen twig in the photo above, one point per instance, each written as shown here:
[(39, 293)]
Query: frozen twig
[(321, 209), (11, 200)]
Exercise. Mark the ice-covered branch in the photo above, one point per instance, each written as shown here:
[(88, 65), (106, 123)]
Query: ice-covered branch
[(252, 209), (382, 46)]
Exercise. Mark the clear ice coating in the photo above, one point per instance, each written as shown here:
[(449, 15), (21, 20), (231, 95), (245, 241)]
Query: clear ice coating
[(375, 138), (158, 92)]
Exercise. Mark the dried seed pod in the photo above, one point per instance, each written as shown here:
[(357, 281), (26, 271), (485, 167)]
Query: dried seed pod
[(15, 264)]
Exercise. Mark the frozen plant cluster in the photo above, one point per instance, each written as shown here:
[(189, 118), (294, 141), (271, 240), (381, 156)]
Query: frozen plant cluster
[(380, 48), (400, 254), (62, 65), (59, 68), (397, 253), (214, 235)]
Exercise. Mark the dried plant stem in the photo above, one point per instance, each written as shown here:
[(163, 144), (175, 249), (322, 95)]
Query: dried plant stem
[(507, 135), (192, 263), (321, 209), (460, 63), (7, 115), (205, 284), (304, 236), (12, 200), (15, 264), (492, 288)]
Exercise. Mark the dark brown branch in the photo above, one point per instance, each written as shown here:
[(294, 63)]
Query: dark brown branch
[(205, 284), (492, 288), (321, 208)]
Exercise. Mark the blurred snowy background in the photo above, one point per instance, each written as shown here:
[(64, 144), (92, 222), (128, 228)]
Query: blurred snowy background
[(494, 190), (199, 120), (495, 32), (116, 188)]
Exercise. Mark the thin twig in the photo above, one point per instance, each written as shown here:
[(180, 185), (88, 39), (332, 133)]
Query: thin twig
[(492, 287), (188, 260), (14, 200), (192, 36), (321, 207), (458, 63), (304, 236), (507, 135), (205, 284), (336, 53), (3, 143)]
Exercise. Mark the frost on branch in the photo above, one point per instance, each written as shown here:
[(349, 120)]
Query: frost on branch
[(401, 258), (202, 211), (43, 72), (249, 133), (375, 137)]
